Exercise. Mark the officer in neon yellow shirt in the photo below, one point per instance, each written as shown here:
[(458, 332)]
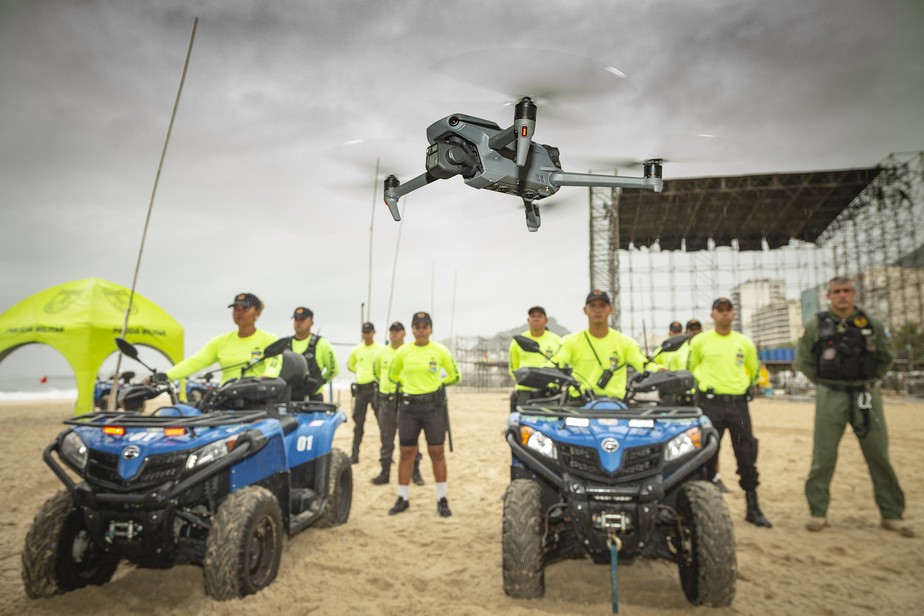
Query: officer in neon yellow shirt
[(387, 404), (423, 369), (233, 350), (680, 358), (549, 344), (598, 355), (360, 362), (664, 358), (725, 364), (318, 352)]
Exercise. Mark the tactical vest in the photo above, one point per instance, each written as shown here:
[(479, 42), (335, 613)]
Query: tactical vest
[(314, 378), (845, 350)]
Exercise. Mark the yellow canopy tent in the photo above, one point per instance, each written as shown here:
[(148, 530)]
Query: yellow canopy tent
[(81, 319)]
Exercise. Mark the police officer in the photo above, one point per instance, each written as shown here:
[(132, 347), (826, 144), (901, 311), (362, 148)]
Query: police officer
[(664, 357), (549, 343), (599, 354), (418, 367), (234, 349), (360, 363), (387, 404), (680, 358), (322, 363), (725, 364), (845, 351)]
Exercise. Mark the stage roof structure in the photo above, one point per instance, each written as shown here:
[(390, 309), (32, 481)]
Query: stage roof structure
[(750, 209)]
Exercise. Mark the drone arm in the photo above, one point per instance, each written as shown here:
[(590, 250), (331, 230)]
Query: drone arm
[(566, 178), (395, 190)]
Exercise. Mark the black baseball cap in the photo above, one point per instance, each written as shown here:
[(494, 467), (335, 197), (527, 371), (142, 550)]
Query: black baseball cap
[(694, 323), (535, 308), (722, 300), (301, 312), (597, 294), (397, 326), (675, 326), (421, 317), (368, 327), (247, 300)]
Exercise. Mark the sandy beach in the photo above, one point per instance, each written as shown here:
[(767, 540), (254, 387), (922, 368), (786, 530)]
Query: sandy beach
[(419, 563)]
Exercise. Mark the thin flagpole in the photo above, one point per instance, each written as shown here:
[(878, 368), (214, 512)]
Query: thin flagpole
[(131, 297)]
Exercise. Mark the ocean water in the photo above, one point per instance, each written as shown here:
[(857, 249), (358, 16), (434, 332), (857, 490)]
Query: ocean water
[(32, 388)]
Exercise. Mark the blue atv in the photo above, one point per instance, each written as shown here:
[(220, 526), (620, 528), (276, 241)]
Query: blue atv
[(216, 486), (614, 480)]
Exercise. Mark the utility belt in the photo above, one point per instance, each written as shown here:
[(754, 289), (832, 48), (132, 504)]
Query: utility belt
[(358, 387), (710, 394), (388, 397), (434, 398)]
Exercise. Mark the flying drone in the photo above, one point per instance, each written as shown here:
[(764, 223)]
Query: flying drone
[(505, 160)]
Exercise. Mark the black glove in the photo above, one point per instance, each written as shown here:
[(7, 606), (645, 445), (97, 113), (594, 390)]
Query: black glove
[(159, 377)]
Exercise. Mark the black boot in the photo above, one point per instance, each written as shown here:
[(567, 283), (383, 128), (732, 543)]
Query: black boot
[(754, 515), (384, 475), (415, 476)]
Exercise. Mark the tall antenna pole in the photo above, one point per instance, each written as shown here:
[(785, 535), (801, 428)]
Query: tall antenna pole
[(375, 189), (394, 267), (131, 297)]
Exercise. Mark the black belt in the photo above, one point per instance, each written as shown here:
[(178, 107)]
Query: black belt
[(388, 396), (435, 397), (711, 396), (365, 386)]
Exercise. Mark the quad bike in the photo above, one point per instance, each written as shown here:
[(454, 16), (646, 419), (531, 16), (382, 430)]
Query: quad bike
[(614, 480), (218, 487), (103, 389)]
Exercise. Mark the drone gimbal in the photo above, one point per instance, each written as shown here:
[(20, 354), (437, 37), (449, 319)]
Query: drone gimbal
[(506, 161)]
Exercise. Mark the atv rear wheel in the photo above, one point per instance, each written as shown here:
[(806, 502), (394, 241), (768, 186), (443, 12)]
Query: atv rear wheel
[(708, 568), (59, 554), (524, 572), (244, 546), (339, 490)]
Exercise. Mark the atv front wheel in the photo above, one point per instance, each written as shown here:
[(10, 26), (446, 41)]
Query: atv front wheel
[(339, 491), (708, 567), (59, 554), (524, 573), (244, 545)]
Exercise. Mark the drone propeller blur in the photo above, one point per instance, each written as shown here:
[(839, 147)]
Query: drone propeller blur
[(505, 160)]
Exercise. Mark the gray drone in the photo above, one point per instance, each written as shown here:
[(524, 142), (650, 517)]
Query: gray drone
[(506, 161)]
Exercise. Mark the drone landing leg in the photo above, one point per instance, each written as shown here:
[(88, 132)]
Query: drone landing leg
[(532, 215)]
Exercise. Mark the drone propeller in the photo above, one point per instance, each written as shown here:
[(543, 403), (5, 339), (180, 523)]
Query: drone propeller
[(544, 75), (391, 155), (669, 148)]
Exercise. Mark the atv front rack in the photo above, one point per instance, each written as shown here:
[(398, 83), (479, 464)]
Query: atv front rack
[(600, 409), (131, 420)]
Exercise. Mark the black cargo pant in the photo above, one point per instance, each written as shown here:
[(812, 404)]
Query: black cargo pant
[(387, 405), (363, 397), (731, 412)]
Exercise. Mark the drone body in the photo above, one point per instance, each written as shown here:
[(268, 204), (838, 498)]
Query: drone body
[(504, 160)]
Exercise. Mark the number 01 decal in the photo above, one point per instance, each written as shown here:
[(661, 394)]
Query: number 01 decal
[(304, 443)]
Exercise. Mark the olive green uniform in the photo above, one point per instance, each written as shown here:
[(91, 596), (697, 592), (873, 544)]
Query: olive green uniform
[(835, 406)]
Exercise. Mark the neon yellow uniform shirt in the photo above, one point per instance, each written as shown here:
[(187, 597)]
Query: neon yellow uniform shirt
[(323, 354), (582, 350), (726, 364), (230, 351), (417, 368), (380, 368), (549, 344), (361, 359)]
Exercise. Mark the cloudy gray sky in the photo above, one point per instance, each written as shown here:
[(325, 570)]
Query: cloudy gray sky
[(259, 194)]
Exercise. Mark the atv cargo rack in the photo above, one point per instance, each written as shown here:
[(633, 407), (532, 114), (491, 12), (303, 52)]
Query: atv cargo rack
[(608, 409)]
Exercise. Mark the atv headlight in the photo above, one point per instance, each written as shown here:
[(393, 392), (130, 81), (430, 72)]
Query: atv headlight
[(74, 450), (210, 453), (682, 444), (538, 442)]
